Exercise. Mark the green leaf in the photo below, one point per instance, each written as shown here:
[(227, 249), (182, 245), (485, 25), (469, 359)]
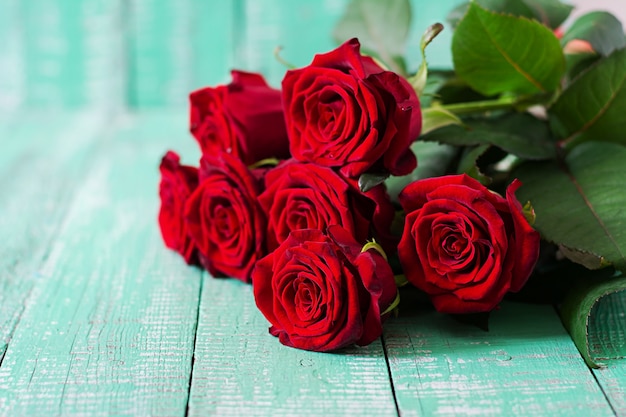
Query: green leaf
[(436, 117), (577, 308), (548, 12), (433, 160), (369, 180), (518, 133), (496, 53), (579, 202), (601, 29), (381, 26), (592, 107), (418, 81), (469, 164), (551, 13)]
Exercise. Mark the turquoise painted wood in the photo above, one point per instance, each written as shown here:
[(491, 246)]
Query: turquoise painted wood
[(241, 370), (109, 326), (150, 53), (37, 184), (103, 320), (608, 343), (98, 318), (526, 364)]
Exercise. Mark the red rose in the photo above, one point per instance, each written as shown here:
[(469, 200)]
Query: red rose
[(177, 183), (345, 111), (464, 245), (224, 218), (320, 292), (309, 196), (244, 118)]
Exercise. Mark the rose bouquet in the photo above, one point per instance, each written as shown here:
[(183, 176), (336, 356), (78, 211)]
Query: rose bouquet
[(314, 194)]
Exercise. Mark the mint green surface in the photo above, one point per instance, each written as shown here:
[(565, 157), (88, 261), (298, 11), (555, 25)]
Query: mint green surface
[(97, 318), (149, 53)]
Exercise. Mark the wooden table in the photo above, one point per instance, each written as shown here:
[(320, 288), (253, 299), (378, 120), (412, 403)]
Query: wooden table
[(98, 318)]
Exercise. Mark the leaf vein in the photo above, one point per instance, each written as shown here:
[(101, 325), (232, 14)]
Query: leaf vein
[(510, 60)]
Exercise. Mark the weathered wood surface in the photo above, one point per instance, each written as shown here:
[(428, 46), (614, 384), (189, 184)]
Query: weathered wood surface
[(109, 326), (608, 343), (524, 365), (240, 370), (98, 318)]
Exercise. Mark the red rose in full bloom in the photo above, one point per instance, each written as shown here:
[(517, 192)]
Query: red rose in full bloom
[(345, 111), (464, 245), (244, 118), (177, 183), (320, 292), (224, 218), (309, 196)]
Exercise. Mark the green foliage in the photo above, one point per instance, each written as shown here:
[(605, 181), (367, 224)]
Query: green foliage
[(601, 29), (434, 118), (577, 307), (579, 202), (551, 13), (518, 133), (567, 150), (434, 159), (592, 107), (381, 26), (497, 53)]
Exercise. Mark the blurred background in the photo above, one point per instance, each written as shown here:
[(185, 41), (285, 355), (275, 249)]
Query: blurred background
[(118, 54)]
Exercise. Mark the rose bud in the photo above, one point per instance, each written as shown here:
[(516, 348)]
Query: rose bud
[(320, 292), (308, 196), (177, 183), (463, 245), (224, 218), (244, 118), (345, 111)]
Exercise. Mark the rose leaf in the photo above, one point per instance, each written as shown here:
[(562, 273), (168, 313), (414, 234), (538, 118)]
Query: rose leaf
[(496, 53), (577, 312), (433, 160), (434, 118), (381, 26), (601, 29), (369, 180), (469, 164), (580, 202), (592, 107), (518, 133), (549, 12)]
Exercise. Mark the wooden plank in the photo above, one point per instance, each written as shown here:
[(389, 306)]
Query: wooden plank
[(11, 74), (161, 59), (241, 370), (213, 38), (38, 171), (72, 52), (607, 338), (110, 323), (525, 365), (303, 28)]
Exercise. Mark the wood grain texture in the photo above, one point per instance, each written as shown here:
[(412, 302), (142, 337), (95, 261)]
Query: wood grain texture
[(607, 339), (109, 326), (71, 52), (11, 72), (37, 184), (161, 53), (525, 365), (241, 370)]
